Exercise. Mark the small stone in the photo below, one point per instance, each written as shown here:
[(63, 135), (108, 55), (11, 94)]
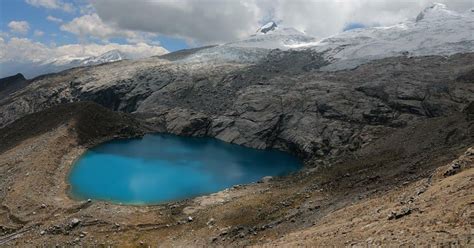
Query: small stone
[(75, 222), (266, 179), (89, 200), (211, 222), (42, 232), (43, 205), (398, 215), (190, 218)]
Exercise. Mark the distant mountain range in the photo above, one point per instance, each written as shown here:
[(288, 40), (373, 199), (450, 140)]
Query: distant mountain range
[(434, 31), (110, 56), (33, 69)]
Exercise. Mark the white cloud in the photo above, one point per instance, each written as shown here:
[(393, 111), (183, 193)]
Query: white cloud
[(86, 9), (204, 21), (52, 4), (20, 27), (38, 33), (54, 19), (327, 17), (225, 20), (91, 25), (25, 50), (22, 50), (2, 45), (4, 35)]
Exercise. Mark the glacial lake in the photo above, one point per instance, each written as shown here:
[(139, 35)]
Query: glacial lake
[(161, 168)]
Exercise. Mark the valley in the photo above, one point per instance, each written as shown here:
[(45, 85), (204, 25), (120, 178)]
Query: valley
[(386, 139)]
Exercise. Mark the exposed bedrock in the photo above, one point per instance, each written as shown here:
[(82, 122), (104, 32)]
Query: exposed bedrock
[(283, 102)]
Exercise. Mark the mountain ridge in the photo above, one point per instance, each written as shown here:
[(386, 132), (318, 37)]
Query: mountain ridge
[(435, 31)]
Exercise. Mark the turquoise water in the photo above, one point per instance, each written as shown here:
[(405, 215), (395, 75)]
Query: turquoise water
[(161, 168)]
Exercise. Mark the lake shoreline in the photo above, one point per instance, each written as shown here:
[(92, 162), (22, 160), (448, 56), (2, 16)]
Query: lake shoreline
[(242, 215)]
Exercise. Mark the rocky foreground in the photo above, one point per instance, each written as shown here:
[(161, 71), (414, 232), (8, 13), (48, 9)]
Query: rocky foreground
[(387, 148)]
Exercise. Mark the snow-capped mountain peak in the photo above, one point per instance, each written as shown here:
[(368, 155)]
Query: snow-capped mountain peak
[(270, 26), (436, 31), (436, 10), (272, 36), (110, 56)]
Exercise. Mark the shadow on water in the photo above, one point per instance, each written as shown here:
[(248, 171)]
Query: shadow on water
[(160, 168)]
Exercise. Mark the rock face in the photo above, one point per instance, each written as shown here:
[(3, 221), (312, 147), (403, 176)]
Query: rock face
[(262, 92), (89, 121), (285, 101), (267, 27), (12, 84)]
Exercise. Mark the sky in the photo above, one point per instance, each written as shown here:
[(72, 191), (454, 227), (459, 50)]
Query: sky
[(38, 30)]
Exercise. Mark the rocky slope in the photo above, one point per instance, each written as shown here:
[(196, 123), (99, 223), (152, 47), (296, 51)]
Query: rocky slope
[(11, 84), (391, 185), (90, 122), (284, 103), (410, 215), (285, 99)]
